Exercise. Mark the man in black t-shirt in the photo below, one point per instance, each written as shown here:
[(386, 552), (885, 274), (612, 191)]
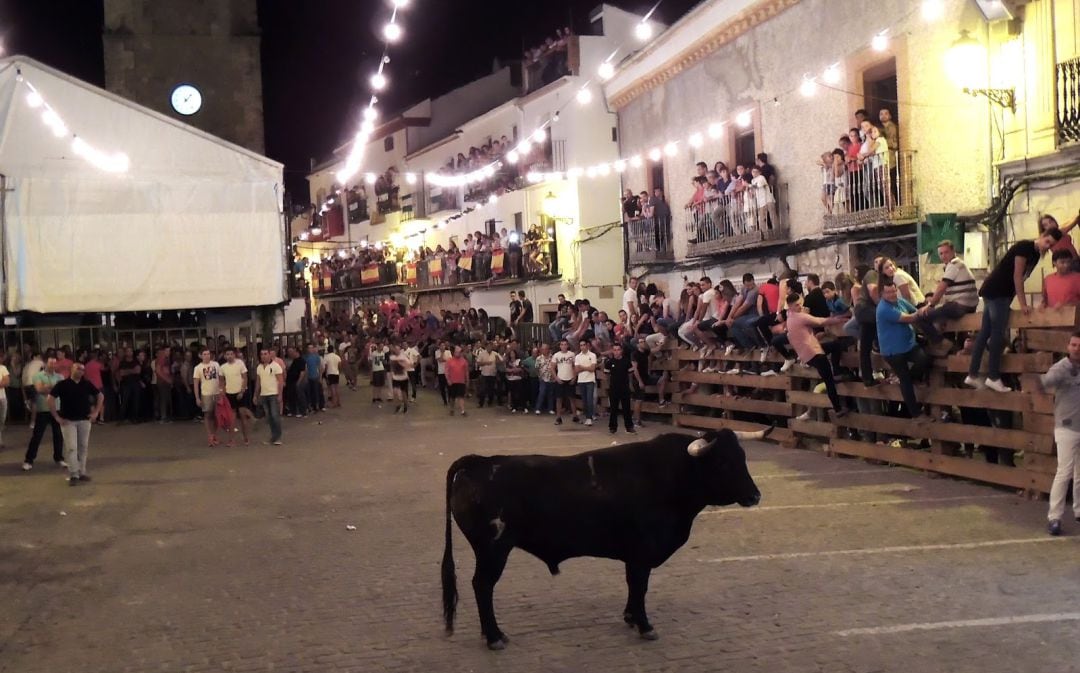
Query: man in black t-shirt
[(619, 368), (515, 308), (76, 416), (1004, 283), (526, 307)]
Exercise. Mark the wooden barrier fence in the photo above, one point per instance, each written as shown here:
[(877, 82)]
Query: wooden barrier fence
[(1015, 427)]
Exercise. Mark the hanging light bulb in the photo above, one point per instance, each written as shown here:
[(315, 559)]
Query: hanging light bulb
[(696, 140), (635, 161), (933, 10), (304, 236), (539, 136), (34, 99), (716, 130), (620, 166), (316, 231), (370, 178), (744, 119), (524, 147), (606, 71), (493, 198), (392, 32), (410, 178), (584, 96), (603, 170), (832, 74), (370, 114), (590, 172), (643, 31), (671, 149), (655, 154), (400, 4), (880, 42), (512, 156), (378, 81), (808, 87)]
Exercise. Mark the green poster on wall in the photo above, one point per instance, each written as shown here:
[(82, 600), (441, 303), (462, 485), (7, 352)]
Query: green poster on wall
[(937, 228)]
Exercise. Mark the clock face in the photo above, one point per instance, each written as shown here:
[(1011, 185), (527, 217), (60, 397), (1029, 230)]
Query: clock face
[(186, 99)]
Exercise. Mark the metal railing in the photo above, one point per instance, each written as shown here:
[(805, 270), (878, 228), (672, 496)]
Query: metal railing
[(648, 239), (873, 193), (1068, 100), (746, 219), (354, 278), (533, 261)]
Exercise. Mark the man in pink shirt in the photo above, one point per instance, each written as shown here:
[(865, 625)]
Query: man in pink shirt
[(800, 327), (1062, 288), (64, 362)]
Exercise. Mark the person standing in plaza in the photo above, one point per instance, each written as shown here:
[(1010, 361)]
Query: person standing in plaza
[(296, 383), (620, 367), (332, 366), (1063, 378), (545, 374), (487, 360), (74, 416), (413, 353), (399, 378), (456, 368), (442, 354), (585, 369), (164, 386), (563, 363), (314, 368), (378, 354), (270, 393), (234, 371), (44, 381), (207, 383), (30, 370)]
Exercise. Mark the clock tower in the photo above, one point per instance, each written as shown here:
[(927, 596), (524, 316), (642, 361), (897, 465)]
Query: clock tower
[(195, 60)]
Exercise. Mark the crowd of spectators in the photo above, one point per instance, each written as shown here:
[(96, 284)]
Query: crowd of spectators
[(864, 170), (549, 61)]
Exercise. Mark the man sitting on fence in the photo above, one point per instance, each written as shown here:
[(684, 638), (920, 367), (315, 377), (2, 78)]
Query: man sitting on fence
[(956, 293)]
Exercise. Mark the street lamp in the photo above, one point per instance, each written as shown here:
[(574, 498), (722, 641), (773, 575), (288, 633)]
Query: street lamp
[(965, 64)]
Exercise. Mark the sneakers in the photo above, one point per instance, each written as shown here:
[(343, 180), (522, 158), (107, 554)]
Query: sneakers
[(73, 481), (768, 372), (588, 421), (1054, 527), (551, 412), (729, 349), (804, 416), (277, 443), (734, 370), (632, 431), (576, 419), (26, 467), (663, 403), (513, 410), (972, 382), (764, 356), (612, 430), (537, 412), (788, 364), (997, 386), (62, 464), (558, 420)]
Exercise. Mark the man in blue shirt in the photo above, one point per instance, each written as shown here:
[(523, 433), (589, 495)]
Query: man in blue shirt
[(896, 338), (314, 366)]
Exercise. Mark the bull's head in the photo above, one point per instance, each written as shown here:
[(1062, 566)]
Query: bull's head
[(723, 462)]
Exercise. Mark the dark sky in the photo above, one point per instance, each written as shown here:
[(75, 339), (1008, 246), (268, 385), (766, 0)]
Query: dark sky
[(318, 54)]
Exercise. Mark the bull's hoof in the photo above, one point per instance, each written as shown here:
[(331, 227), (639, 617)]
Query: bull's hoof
[(651, 634), (497, 645)]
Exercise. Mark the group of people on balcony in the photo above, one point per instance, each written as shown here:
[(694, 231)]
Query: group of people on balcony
[(480, 257), (864, 171), (548, 62), (507, 176)]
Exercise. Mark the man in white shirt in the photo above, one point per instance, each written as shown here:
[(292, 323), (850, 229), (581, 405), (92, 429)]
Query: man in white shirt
[(30, 370), (563, 362), (332, 367), (629, 299), (442, 353), (270, 393), (400, 364), (234, 371), (207, 375), (585, 368), (378, 353), (413, 353)]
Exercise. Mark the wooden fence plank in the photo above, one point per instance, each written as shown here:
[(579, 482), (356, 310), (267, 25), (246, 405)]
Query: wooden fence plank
[(730, 403), (1053, 341), (1011, 363), (1015, 477), (709, 423), (738, 380), (1019, 440), (812, 428)]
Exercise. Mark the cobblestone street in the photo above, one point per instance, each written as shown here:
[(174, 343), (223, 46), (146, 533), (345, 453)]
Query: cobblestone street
[(182, 558)]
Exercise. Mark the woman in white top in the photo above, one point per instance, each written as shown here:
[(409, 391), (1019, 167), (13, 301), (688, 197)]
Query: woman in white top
[(766, 216), (889, 273)]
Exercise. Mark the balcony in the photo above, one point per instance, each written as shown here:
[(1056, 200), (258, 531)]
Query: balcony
[(733, 222), (534, 261), (869, 197), (648, 240), (1068, 101)]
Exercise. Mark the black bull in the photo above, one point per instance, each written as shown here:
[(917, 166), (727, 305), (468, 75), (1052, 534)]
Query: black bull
[(633, 503)]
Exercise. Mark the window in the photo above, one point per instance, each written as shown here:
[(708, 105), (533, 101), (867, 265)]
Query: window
[(614, 134), (880, 92), (388, 144), (656, 176), (745, 148), (518, 222), (489, 227)]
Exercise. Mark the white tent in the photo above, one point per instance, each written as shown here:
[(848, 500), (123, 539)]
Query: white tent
[(193, 221)]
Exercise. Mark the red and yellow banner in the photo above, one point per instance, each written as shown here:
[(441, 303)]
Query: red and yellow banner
[(410, 273), (465, 262), (370, 274), (434, 267), (497, 262)]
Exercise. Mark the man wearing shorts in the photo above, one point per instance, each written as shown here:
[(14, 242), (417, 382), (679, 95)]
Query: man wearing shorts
[(563, 362), (399, 377), (332, 366), (234, 371), (456, 369), (207, 375), (377, 354)]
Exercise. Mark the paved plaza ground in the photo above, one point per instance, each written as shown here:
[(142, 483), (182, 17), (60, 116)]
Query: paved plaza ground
[(182, 558)]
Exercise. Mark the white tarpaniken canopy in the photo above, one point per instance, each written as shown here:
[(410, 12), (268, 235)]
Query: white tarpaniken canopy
[(194, 222)]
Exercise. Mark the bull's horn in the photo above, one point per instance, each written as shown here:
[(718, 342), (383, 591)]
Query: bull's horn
[(741, 434), (698, 447)]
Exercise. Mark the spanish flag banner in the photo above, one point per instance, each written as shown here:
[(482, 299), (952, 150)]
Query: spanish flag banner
[(465, 262), (410, 273), (370, 274), (497, 262), (434, 267)]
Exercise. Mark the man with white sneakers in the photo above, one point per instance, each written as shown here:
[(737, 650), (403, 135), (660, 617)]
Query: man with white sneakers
[(1064, 379)]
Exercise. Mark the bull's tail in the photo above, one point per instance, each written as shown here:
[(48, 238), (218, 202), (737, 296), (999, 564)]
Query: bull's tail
[(449, 576)]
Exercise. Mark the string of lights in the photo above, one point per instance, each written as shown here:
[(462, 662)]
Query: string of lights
[(114, 162)]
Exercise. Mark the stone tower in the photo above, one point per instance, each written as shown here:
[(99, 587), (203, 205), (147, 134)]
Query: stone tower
[(152, 47)]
